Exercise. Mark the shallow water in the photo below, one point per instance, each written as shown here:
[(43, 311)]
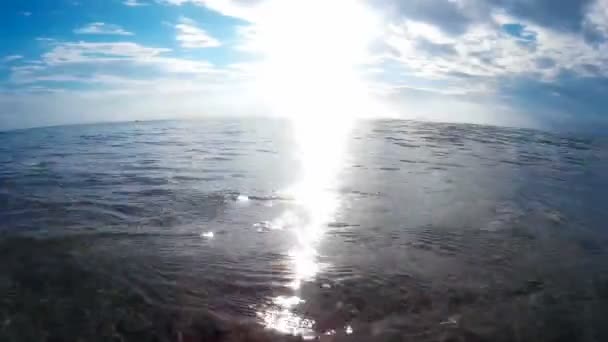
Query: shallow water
[(257, 230)]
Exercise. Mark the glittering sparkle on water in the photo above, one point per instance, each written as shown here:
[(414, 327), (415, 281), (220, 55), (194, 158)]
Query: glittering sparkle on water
[(321, 151), (207, 235)]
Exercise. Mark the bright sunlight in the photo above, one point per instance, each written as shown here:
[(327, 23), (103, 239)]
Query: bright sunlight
[(311, 57), (310, 74)]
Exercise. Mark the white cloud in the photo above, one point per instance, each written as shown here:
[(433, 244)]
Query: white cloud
[(45, 39), (100, 52), (250, 10), (102, 29), (26, 13), (11, 58), (134, 3), (191, 36), (84, 62), (487, 51)]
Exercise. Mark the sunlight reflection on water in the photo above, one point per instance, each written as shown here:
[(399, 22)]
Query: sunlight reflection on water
[(321, 150)]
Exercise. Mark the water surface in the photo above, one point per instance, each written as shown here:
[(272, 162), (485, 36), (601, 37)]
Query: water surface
[(257, 230)]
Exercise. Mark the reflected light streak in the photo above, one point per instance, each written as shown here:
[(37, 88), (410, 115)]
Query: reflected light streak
[(310, 74), (316, 199)]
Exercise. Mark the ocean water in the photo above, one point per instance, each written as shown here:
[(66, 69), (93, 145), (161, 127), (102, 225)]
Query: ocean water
[(264, 230)]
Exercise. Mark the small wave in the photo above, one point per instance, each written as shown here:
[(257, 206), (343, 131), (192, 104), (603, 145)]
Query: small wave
[(341, 225), (407, 145), (394, 139), (262, 150), (230, 154), (198, 178), (218, 158), (437, 168)]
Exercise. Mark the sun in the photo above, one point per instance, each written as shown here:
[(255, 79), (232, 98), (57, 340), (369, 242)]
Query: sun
[(312, 52)]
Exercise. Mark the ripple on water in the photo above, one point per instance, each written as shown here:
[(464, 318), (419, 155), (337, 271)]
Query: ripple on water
[(444, 233)]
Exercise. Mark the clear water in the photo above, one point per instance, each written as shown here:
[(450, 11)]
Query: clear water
[(258, 230)]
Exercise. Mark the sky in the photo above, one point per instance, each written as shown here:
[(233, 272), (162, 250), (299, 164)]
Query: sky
[(524, 63)]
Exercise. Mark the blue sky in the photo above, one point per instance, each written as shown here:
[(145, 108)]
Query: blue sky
[(540, 63)]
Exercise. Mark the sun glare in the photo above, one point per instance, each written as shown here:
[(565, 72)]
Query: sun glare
[(311, 57), (310, 73)]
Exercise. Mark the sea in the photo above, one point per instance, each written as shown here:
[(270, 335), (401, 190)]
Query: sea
[(286, 230)]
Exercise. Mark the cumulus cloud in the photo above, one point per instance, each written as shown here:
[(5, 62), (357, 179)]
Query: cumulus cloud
[(451, 17), (190, 36), (546, 59), (595, 24), (100, 28), (500, 45)]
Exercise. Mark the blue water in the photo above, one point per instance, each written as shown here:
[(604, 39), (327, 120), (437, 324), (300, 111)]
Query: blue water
[(259, 229)]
